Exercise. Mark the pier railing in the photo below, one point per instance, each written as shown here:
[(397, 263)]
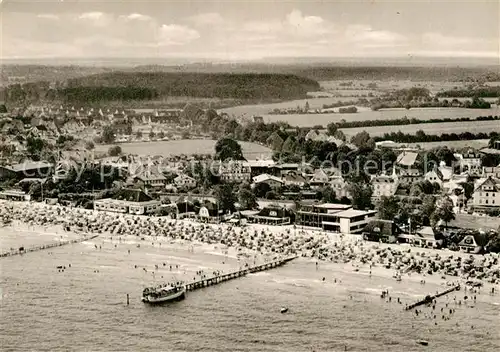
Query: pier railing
[(24, 250), (217, 279)]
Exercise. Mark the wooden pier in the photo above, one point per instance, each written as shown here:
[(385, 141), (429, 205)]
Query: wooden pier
[(24, 250), (429, 298), (214, 280)]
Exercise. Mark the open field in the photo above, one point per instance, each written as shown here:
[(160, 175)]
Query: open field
[(309, 120), (185, 147), (264, 109), (475, 144), (433, 86), (429, 128)]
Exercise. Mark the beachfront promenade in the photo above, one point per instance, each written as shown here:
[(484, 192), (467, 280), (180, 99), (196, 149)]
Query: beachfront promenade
[(23, 250)]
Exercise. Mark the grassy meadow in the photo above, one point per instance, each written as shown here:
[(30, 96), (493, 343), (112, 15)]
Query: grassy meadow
[(475, 144), (429, 128), (185, 147), (309, 120)]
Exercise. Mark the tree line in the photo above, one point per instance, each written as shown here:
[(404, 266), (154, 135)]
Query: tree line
[(482, 92), (422, 137)]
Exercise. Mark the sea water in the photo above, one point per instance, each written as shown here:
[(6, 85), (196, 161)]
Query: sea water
[(83, 308)]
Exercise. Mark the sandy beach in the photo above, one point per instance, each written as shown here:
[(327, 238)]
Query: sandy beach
[(405, 262), (345, 275)]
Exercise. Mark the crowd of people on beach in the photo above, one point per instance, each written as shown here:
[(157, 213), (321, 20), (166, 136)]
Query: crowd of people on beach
[(280, 241)]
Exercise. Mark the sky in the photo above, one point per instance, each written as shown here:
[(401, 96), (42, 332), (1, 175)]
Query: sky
[(249, 30)]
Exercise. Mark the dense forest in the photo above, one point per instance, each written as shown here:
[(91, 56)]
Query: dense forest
[(102, 94), (127, 86), (206, 85), (320, 71), (327, 73)]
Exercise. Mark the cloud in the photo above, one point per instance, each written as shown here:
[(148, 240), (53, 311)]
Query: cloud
[(173, 34), (366, 36), (306, 25), (137, 17), (438, 39), (48, 16), (91, 16), (207, 19)]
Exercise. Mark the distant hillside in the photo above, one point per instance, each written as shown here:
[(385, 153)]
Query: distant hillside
[(203, 85), (327, 73)]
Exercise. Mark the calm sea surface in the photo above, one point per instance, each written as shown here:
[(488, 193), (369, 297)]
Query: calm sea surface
[(84, 308)]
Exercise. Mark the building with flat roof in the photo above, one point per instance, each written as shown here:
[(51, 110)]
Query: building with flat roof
[(15, 195), (32, 169), (334, 217), (129, 201)]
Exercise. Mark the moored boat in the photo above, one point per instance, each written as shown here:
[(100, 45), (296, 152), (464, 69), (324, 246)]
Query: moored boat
[(163, 294)]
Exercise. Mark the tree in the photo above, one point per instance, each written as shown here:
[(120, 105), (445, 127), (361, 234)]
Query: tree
[(114, 150), (246, 197), (227, 148), (261, 189), (138, 135), (185, 134), (387, 207), (428, 207), (331, 128), (34, 147), (275, 142), (444, 211), (225, 197), (340, 135), (361, 140), (289, 145), (108, 135), (327, 194), (89, 145), (161, 135), (152, 135), (361, 195), (3, 109), (271, 195)]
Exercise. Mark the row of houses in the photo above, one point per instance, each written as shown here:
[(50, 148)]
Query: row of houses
[(378, 230)]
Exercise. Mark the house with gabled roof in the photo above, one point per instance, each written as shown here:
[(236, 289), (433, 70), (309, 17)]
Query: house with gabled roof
[(434, 176), (379, 230), (293, 178), (272, 181), (184, 181), (486, 195), (407, 159), (319, 179), (473, 242), (384, 185), (272, 215)]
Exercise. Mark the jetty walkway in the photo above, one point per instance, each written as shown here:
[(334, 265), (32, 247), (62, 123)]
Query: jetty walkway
[(214, 280), (236, 274), (429, 298), (23, 250)]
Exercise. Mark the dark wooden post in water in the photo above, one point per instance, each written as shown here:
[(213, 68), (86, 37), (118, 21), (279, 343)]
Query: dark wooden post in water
[(429, 298), (128, 301)]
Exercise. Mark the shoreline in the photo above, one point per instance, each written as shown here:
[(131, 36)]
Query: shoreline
[(369, 258)]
